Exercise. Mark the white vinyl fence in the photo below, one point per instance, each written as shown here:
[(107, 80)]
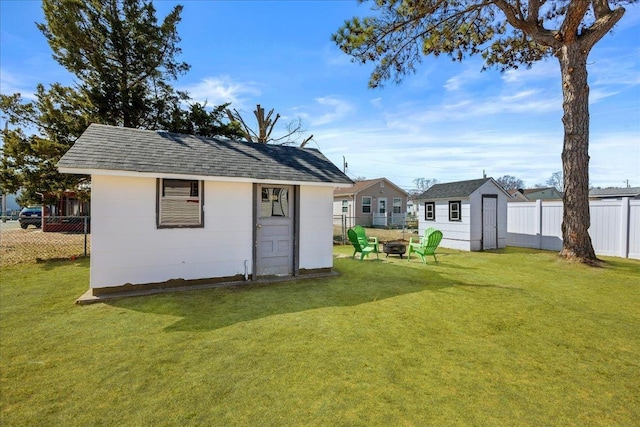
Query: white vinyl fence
[(614, 231)]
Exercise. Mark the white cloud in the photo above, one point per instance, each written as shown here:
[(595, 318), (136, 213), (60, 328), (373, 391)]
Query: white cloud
[(376, 102), (222, 89), (339, 109), (10, 84), (334, 57), (453, 84), (475, 107), (466, 78), (444, 153), (546, 70)]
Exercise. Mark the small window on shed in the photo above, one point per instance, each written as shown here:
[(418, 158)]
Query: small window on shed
[(179, 203), (455, 213), (430, 211), (345, 206)]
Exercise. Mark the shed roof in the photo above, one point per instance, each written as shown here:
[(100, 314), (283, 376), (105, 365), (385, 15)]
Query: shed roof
[(112, 148), (459, 189)]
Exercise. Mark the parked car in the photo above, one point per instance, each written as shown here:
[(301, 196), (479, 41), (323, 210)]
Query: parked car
[(31, 215)]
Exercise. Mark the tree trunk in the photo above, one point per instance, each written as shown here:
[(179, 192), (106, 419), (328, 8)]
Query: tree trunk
[(575, 154)]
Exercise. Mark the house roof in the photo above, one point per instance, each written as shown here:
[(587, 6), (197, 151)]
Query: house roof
[(362, 185), (517, 195), (461, 189), (539, 190), (112, 148), (615, 192)]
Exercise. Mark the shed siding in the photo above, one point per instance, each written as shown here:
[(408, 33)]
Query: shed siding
[(455, 234), (467, 234), (127, 247), (475, 220), (316, 227)]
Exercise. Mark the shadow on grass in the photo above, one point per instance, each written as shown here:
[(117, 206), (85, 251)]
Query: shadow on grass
[(49, 264), (53, 263), (359, 283)]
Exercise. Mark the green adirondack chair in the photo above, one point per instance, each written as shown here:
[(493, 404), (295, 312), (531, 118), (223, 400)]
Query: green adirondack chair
[(417, 242), (361, 243), (428, 247)]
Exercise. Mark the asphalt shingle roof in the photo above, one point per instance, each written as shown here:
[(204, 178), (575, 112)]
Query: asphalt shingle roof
[(124, 149), (615, 192), (453, 189), (362, 185)]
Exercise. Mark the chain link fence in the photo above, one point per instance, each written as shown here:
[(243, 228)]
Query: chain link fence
[(69, 237), (59, 237), (398, 231)]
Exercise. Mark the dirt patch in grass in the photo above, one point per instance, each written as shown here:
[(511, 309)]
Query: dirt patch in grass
[(33, 245), (383, 234)]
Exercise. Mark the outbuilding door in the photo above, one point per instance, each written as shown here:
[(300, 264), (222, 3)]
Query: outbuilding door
[(274, 230), (489, 222)]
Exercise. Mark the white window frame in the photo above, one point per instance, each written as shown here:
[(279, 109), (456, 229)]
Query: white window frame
[(367, 204), (345, 206), (162, 222), (429, 211), (397, 203), (455, 210)]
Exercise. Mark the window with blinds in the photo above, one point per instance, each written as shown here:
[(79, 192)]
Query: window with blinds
[(180, 203)]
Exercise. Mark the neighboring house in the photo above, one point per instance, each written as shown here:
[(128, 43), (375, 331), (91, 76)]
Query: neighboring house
[(472, 215), (532, 194), (412, 208), (68, 214), (174, 210), (517, 196), (371, 203), (614, 193)]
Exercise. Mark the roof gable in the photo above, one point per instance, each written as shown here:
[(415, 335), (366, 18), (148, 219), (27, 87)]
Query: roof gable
[(459, 189), (363, 185), (103, 147)]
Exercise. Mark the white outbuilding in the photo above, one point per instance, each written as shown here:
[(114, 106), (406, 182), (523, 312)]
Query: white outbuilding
[(472, 215), (171, 210)]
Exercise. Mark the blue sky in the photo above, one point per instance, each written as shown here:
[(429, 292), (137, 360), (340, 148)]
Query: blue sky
[(449, 121)]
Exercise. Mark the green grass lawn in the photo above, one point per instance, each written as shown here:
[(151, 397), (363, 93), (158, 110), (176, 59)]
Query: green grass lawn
[(511, 337)]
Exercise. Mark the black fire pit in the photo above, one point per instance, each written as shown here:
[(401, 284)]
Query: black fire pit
[(396, 248)]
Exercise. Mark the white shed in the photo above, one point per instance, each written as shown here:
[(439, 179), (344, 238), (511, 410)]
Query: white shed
[(472, 215), (174, 210)]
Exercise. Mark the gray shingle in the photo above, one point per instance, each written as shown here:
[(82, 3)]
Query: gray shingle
[(123, 149), (615, 192), (460, 189)]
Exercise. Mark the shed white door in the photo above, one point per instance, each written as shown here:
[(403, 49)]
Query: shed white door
[(274, 234), (489, 223)]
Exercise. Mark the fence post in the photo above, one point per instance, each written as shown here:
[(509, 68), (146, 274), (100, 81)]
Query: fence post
[(343, 228), (624, 228), (539, 223), (85, 236)]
